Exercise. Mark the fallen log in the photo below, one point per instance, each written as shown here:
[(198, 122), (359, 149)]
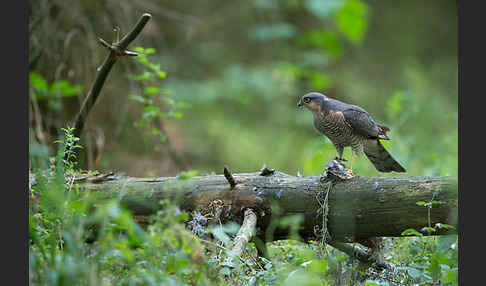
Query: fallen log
[(357, 209)]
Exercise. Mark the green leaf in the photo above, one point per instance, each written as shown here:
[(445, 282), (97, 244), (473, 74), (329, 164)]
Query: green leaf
[(140, 99), (151, 90), (139, 49), (161, 74), (434, 266), (149, 51), (187, 175), (38, 82), (144, 76), (168, 100), (445, 241), (155, 131), (443, 225), (324, 39), (177, 114), (331, 43), (428, 229), (65, 89), (220, 235), (154, 67), (352, 20), (414, 273), (320, 81), (451, 276), (420, 203), (411, 231)]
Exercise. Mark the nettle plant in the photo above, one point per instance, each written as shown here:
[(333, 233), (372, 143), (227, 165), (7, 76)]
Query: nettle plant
[(157, 106), (430, 260)]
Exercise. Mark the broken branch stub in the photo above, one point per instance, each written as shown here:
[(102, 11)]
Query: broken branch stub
[(229, 177)]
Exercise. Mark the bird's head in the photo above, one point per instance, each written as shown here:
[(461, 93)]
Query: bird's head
[(313, 101)]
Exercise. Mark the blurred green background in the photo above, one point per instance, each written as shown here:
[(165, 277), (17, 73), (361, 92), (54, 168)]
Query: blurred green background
[(229, 75)]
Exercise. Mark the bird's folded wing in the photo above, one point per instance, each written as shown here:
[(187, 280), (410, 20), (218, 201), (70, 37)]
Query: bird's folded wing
[(361, 123)]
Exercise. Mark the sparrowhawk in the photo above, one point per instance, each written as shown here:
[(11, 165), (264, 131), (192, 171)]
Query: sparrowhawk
[(350, 125)]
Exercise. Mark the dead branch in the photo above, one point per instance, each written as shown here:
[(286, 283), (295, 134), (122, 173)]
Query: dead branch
[(116, 49)]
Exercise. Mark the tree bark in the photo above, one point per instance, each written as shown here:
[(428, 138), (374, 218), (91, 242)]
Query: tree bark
[(358, 208)]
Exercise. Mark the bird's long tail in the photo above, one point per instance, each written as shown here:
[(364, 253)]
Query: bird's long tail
[(381, 159)]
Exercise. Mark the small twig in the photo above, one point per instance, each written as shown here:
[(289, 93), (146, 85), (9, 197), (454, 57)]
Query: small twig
[(325, 236), (214, 244), (116, 37), (229, 177), (38, 122), (255, 260), (72, 182), (104, 43), (102, 178), (222, 248)]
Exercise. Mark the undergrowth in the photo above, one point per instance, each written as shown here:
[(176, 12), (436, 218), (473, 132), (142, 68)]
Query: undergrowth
[(78, 237)]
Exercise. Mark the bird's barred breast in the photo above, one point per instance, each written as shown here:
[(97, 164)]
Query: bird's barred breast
[(337, 130)]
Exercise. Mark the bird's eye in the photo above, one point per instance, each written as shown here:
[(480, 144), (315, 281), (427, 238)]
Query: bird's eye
[(307, 100)]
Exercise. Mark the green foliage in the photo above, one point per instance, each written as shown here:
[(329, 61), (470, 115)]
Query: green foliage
[(70, 145), (185, 175), (52, 99), (81, 238), (41, 90), (53, 93), (428, 260), (352, 20), (238, 88), (63, 220), (156, 105)]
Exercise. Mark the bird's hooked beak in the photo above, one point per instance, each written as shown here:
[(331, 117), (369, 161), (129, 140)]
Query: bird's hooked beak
[(300, 103)]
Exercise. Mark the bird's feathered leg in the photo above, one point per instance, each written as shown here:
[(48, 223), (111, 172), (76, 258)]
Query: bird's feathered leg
[(340, 151), (352, 160), (354, 153)]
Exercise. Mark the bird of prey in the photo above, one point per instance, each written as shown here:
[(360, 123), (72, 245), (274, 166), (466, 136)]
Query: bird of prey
[(350, 125)]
